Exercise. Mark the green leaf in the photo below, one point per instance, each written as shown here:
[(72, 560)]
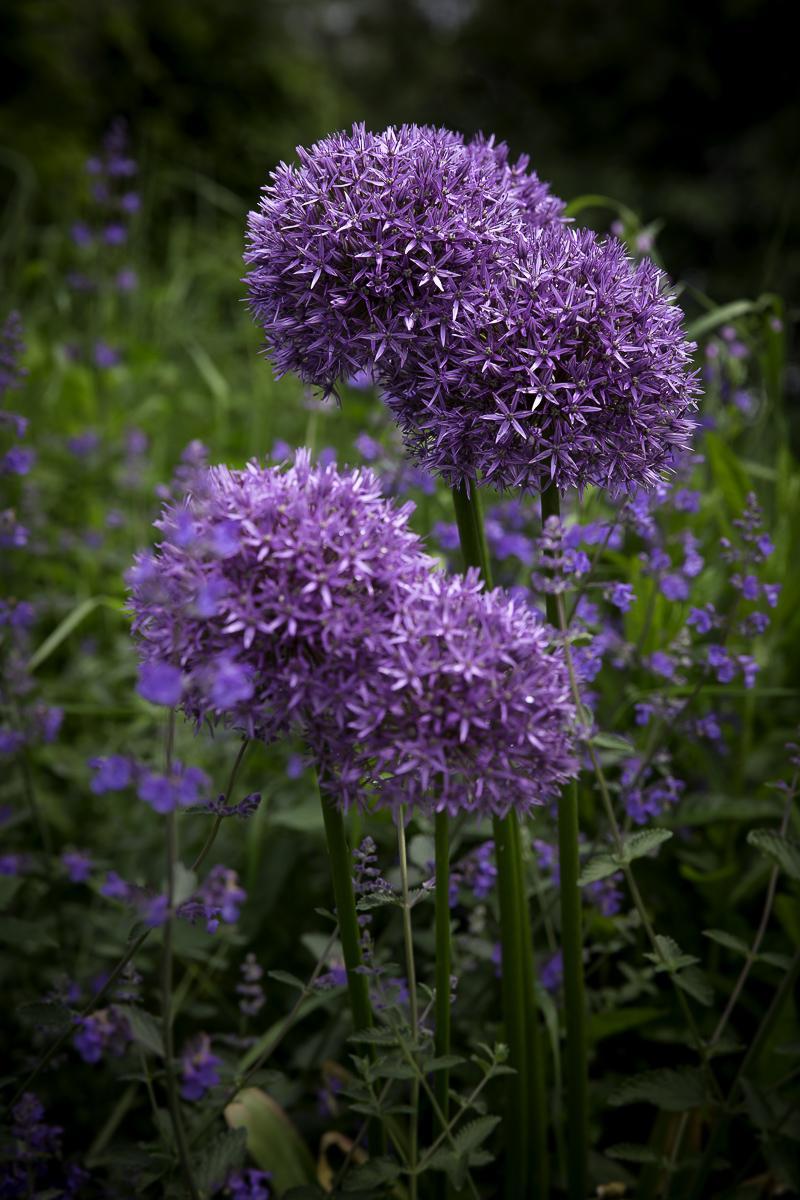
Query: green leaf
[(70, 623), (721, 316), (445, 1062), (727, 940), (600, 866), (287, 978), (375, 1173), (670, 957), (145, 1028), (782, 850), (377, 900), (184, 884), (474, 1134), (643, 842), (672, 1091), (223, 1154), (272, 1139), (696, 984), (610, 741), (613, 1021)]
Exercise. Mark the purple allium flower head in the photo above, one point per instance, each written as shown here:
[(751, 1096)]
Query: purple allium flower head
[(572, 369), (464, 708), (538, 206), (372, 237), (309, 564), (199, 1068)]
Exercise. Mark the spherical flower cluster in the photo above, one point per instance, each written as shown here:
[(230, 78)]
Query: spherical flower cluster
[(575, 372), (466, 709), (267, 585), (538, 205), (373, 236)]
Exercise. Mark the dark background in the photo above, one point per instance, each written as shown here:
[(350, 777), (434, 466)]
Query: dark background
[(685, 109)]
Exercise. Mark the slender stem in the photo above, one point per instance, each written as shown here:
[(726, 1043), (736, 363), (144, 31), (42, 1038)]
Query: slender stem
[(166, 987), (214, 830), (443, 967), (526, 1113), (575, 1067), (408, 939)]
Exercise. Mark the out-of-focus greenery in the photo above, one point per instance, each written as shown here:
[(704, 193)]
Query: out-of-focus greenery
[(689, 111)]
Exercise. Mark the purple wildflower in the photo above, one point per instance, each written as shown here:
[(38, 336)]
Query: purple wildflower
[(160, 683), (112, 774), (249, 988), (199, 1068), (249, 1184), (77, 864), (551, 972), (103, 1032), (11, 350), (180, 789), (105, 356), (622, 596)]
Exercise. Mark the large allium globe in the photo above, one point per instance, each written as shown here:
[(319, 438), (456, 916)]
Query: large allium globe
[(466, 708), (538, 205), (372, 237), (574, 370), (268, 585)]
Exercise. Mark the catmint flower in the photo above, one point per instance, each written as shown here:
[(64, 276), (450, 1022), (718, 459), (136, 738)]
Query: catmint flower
[(13, 864), (180, 789), (249, 1184), (662, 664), (249, 988), (112, 774), (674, 587), (703, 619), (551, 972), (11, 350), (77, 864), (116, 888), (105, 356), (721, 663), (17, 461), (199, 1068), (29, 1128), (622, 596), (103, 1032)]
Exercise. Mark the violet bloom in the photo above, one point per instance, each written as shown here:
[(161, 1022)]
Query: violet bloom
[(77, 864), (249, 1184), (269, 585), (572, 369), (180, 789), (372, 238), (11, 350), (103, 1032), (160, 683), (199, 1068), (112, 774), (465, 708)]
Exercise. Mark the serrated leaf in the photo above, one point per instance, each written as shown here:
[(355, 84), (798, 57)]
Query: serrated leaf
[(374, 1037), (695, 984), (610, 741), (377, 900), (376, 1172), (145, 1028), (598, 867), (443, 1063), (287, 978), (223, 1154), (642, 842), (670, 957), (474, 1135), (671, 1091), (272, 1139), (782, 850), (727, 940)]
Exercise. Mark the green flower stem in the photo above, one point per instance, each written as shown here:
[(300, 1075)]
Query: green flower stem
[(411, 974), (577, 1108), (443, 968), (349, 933), (526, 1116)]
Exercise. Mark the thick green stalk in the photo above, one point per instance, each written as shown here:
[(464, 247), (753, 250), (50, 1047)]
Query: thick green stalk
[(577, 1106), (411, 976), (526, 1117), (349, 932), (443, 960)]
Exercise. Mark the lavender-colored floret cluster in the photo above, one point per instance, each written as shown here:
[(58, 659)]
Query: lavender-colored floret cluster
[(510, 347)]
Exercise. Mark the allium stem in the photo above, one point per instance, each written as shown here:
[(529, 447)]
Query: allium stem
[(577, 1106), (411, 974), (443, 968), (526, 1115), (349, 931)]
